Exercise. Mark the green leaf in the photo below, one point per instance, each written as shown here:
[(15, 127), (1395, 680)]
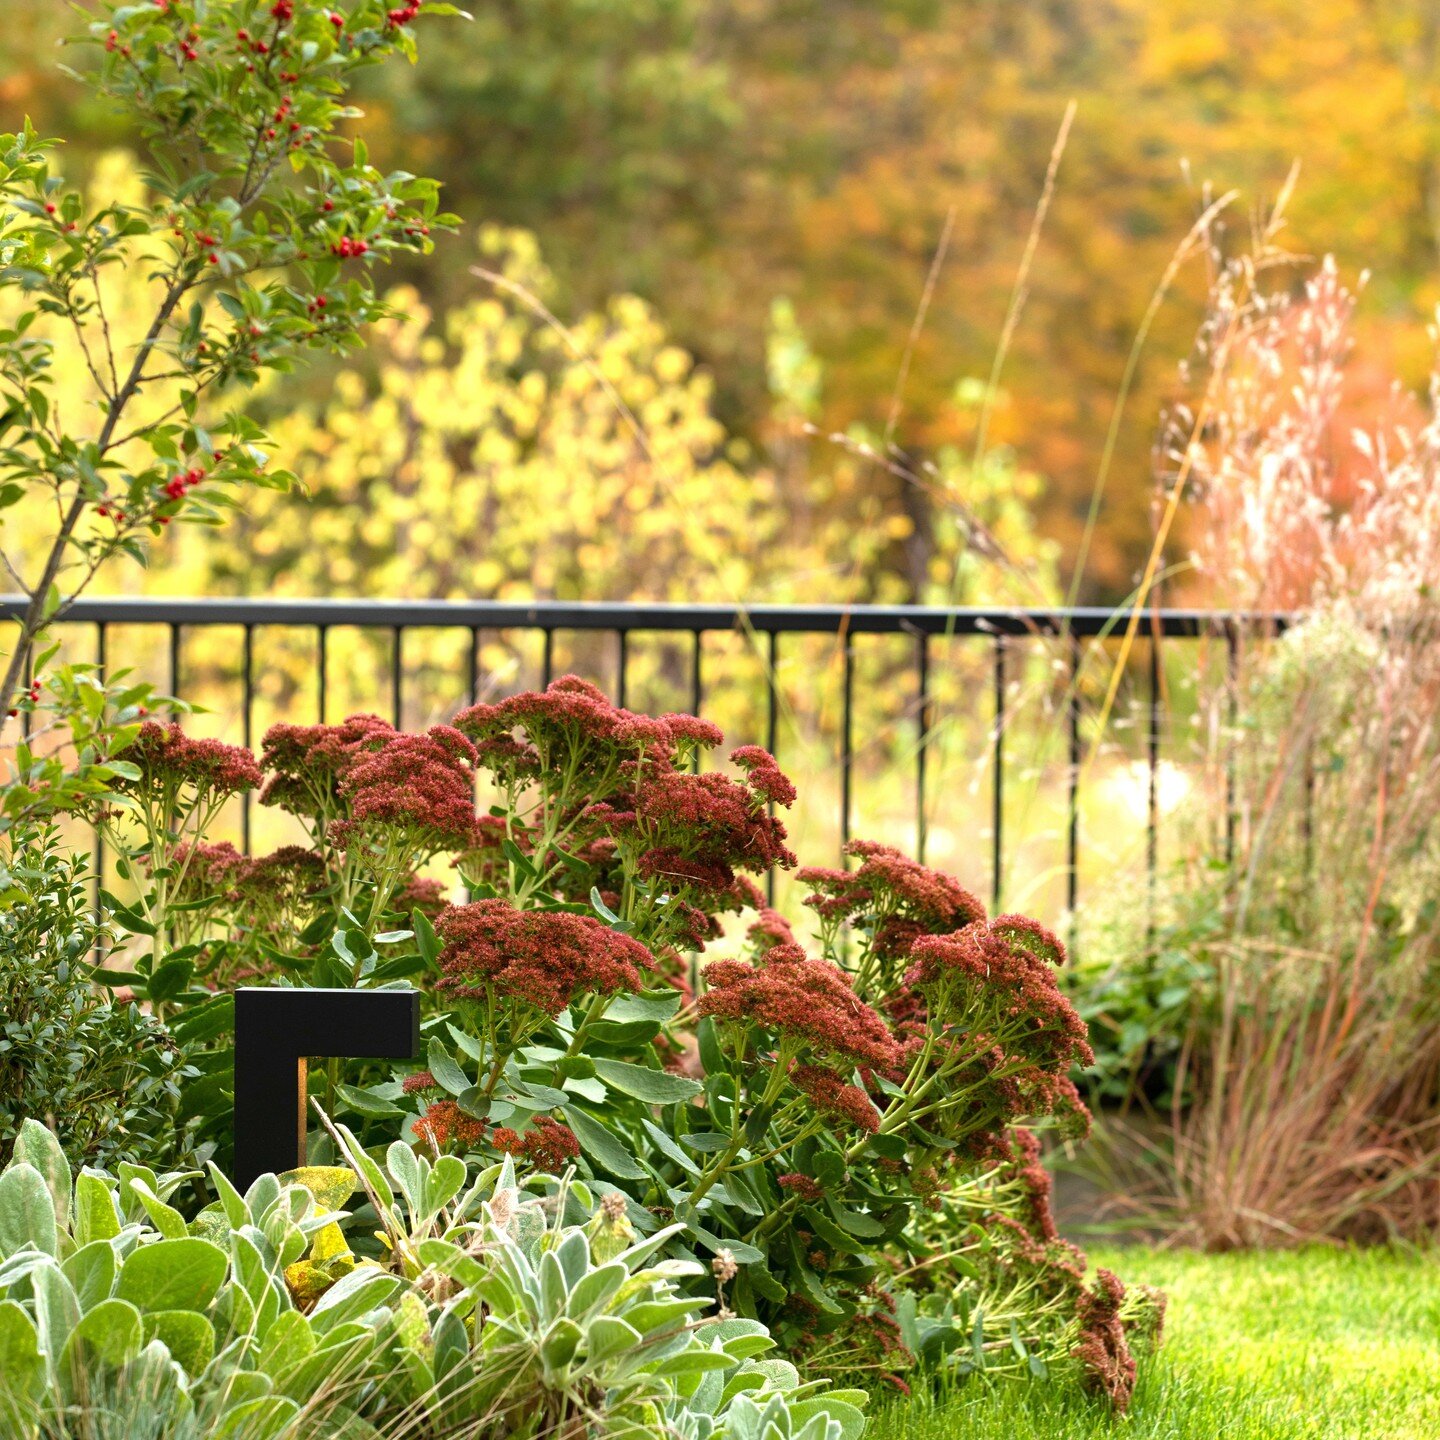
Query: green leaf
[(765, 1283), (828, 1167), (888, 1147), (370, 1172), (602, 909), (858, 1223), (426, 940), (91, 1272), (110, 1333), (27, 1213), (404, 1169), (610, 1336), (95, 1217), (170, 979), (188, 1336), (827, 1230), (851, 1419), (22, 1370), (519, 859), (167, 1220), (364, 1103), (35, 1145), (448, 1075), (708, 1142), (206, 1020), (602, 1147), (669, 1149), (182, 1274), (655, 1087), (745, 1254)]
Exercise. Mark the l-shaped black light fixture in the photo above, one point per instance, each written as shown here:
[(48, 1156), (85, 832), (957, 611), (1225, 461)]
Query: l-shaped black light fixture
[(276, 1032)]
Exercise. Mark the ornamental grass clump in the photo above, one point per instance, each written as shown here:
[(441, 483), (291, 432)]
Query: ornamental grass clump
[(1297, 1078), (792, 1114)]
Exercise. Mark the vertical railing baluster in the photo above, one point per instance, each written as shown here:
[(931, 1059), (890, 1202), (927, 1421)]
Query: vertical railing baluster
[(772, 694), (622, 660), (697, 683), (547, 658), (397, 677), (247, 719), (1072, 839), (772, 725), (847, 743), (99, 842), (997, 779), (922, 747), (175, 660), (473, 689), (322, 668)]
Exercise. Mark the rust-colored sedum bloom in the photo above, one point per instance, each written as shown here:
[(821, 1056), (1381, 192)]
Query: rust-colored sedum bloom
[(304, 764), (571, 725), (1102, 1350), (764, 775), (837, 1098), (280, 885), (446, 1126), (548, 1145), (420, 893), (719, 826), (895, 896), (414, 788), (208, 872), (794, 1183), (545, 958), (769, 929), (170, 760), (980, 976), (806, 1002)]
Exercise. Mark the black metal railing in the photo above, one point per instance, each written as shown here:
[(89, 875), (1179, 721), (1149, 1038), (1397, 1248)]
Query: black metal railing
[(765, 625)]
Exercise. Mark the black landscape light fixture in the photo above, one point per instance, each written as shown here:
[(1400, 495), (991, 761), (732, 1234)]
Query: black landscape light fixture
[(276, 1033)]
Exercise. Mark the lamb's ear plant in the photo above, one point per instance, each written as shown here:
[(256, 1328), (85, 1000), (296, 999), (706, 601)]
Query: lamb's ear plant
[(495, 1316), (115, 1313), (550, 1311)]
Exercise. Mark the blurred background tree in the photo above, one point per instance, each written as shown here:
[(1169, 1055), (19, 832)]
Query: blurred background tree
[(712, 158)]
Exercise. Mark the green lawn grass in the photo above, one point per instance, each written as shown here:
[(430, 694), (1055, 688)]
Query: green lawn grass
[(1328, 1344)]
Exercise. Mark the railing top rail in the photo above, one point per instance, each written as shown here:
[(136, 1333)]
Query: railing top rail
[(1088, 621)]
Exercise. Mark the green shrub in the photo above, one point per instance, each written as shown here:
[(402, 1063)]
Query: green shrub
[(105, 1076)]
